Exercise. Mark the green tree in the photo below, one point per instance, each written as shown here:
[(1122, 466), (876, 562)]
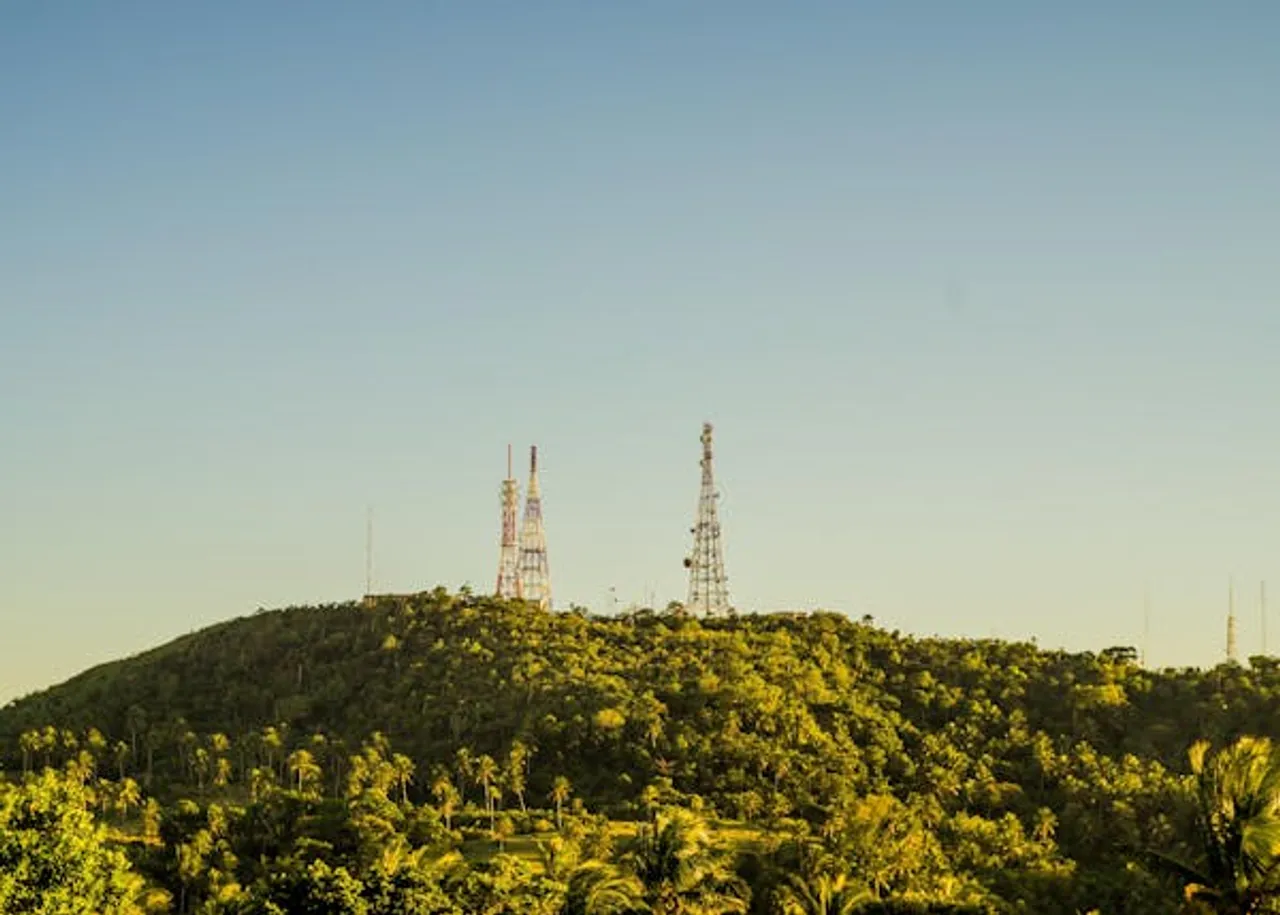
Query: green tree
[(561, 790), (446, 796), (682, 868), (823, 894), (306, 774), (54, 858), (1237, 795)]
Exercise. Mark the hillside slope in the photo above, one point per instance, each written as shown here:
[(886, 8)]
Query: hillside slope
[(440, 670), (776, 717)]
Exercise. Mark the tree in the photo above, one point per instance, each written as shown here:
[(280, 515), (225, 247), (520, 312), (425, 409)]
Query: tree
[(306, 774), (682, 869), (1237, 796), (446, 796), (486, 770), (591, 887), (120, 754), (54, 858), (30, 743), (517, 762), (127, 796), (598, 888), (560, 792), (317, 889), (404, 767), (823, 894)]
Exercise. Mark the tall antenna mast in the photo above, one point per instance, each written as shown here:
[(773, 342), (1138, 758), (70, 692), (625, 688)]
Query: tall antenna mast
[(1146, 625), (535, 571), (1262, 612), (509, 586), (708, 586), (1231, 621), (368, 550)]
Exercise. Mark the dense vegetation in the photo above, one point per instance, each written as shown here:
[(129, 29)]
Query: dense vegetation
[(449, 753)]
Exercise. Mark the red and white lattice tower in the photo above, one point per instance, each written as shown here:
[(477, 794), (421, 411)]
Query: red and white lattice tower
[(708, 586), (535, 573), (509, 555)]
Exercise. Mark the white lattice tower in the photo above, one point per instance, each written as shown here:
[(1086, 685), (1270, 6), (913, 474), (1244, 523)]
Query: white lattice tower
[(509, 586), (708, 586), (535, 572)]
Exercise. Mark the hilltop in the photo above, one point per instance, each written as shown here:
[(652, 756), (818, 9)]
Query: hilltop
[(783, 720)]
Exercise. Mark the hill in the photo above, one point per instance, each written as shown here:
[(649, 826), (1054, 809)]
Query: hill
[(795, 722)]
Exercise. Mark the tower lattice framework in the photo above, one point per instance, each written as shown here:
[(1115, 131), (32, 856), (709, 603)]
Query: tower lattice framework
[(509, 585), (708, 586), (535, 572)]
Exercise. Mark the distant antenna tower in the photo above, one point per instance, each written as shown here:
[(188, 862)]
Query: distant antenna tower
[(509, 585), (368, 551), (1231, 621), (1262, 612), (1146, 627), (535, 573), (708, 587)]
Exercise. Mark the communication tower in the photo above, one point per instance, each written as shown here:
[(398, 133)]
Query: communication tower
[(1231, 622), (708, 586), (509, 585), (535, 572)]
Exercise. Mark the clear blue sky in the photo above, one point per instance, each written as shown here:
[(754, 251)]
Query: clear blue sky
[(983, 298)]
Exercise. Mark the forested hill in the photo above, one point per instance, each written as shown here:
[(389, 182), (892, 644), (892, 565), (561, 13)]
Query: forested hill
[(609, 699), (793, 720)]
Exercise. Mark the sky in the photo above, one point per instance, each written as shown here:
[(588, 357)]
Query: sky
[(983, 300)]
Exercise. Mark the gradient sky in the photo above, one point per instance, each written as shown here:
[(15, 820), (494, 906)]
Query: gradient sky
[(983, 298)]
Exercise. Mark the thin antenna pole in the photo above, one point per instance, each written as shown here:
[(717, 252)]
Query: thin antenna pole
[(1231, 619), (1262, 612), (1146, 625), (368, 550)]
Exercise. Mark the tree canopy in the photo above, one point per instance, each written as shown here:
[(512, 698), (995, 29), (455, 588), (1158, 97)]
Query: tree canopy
[(803, 762)]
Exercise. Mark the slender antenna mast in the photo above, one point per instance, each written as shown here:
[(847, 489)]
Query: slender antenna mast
[(1231, 620), (1146, 625), (1262, 612), (368, 550)]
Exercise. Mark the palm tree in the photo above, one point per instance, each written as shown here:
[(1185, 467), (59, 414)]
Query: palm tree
[(682, 869), (560, 791), (823, 894), (306, 773), (446, 796), (404, 774), (517, 761), (1237, 795), (598, 888), (591, 887), (31, 743), (127, 795), (484, 772)]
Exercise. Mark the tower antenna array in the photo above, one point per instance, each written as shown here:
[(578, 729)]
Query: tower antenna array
[(708, 586), (509, 585), (535, 571)]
